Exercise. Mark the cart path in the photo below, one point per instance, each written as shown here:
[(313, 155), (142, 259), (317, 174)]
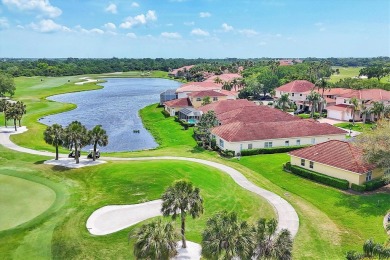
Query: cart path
[(286, 214)]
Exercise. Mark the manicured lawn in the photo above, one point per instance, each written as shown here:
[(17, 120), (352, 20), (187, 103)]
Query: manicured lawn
[(331, 221), (360, 127), (62, 234), (345, 72), (22, 200)]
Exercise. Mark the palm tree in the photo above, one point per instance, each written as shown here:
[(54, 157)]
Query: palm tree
[(284, 102), (386, 112), (314, 99), (364, 112), (377, 109), (54, 135), (97, 136), (270, 244), (3, 108), (353, 255), (355, 107), (368, 247), (225, 237), (76, 136), (234, 83), (21, 110), (273, 66), (218, 80), (12, 112), (227, 85), (323, 85), (156, 240), (182, 198)]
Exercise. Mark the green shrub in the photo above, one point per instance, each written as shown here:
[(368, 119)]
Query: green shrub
[(227, 153), (359, 188), (199, 143), (213, 144), (321, 178), (165, 113), (316, 115), (374, 184), (283, 149), (287, 166), (304, 116)]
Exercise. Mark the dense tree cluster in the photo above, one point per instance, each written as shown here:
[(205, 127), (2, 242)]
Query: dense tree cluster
[(12, 111)]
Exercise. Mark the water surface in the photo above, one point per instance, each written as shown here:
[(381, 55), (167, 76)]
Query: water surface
[(115, 107)]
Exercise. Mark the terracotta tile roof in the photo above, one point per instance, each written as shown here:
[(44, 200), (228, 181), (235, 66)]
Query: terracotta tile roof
[(255, 114), (330, 100), (224, 77), (175, 71), (206, 93), (198, 86), (297, 86), (368, 94), (181, 102), (226, 105), (229, 93), (339, 107), (246, 131), (340, 154)]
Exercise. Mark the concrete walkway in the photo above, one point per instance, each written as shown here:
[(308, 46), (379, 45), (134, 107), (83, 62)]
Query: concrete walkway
[(287, 216)]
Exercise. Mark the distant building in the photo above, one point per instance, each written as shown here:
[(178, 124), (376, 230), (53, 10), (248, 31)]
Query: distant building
[(167, 95)]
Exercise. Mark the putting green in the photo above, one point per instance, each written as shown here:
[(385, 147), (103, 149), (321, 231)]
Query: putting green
[(22, 200)]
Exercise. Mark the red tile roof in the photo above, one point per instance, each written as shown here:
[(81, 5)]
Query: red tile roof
[(181, 102), (198, 86), (224, 77), (255, 114), (339, 154), (339, 107), (206, 93), (368, 94), (241, 131), (297, 86), (175, 71), (226, 105)]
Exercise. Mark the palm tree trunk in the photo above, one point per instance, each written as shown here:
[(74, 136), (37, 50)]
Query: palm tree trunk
[(76, 154), (19, 123), (15, 125), (5, 120), (56, 151), (183, 229), (94, 151)]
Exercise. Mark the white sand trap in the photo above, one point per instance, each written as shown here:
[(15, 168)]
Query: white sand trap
[(11, 129), (110, 219), (86, 80), (71, 162), (192, 252)]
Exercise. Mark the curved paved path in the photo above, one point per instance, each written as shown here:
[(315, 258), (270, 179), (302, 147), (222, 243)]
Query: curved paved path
[(287, 216)]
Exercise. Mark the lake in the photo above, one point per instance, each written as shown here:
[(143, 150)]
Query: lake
[(115, 107)]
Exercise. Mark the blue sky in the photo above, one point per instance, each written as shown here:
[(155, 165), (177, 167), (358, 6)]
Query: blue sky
[(194, 28)]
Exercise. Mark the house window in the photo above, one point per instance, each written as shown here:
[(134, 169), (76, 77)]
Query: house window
[(221, 143), (313, 141), (292, 94), (267, 144), (300, 95), (345, 101), (249, 146), (198, 99), (368, 176), (302, 162), (311, 165), (298, 142), (286, 143), (215, 98)]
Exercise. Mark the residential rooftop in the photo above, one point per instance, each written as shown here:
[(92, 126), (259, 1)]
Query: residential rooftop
[(180, 102), (297, 86), (206, 93), (226, 105)]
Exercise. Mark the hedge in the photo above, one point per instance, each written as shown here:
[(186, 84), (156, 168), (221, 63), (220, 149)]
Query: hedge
[(321, 178), (283, 149), (374, 184), (359, 188)]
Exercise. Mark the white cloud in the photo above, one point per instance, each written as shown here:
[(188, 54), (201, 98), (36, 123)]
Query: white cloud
[(248, 32), (48, 26), (96, 30), (141, 19), (131, 35), (134, 4), (278, 35), (204, 14), (226, 27), (262, 43), (111, 8), (20, 26), (319, 24), (42, 6), (199, 32), (4, 23), (109, 26), (189, 23), (171, 35), (169, 24)]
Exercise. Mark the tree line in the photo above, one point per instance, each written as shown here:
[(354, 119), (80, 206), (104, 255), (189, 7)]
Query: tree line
[(75, 136), (12, 111)]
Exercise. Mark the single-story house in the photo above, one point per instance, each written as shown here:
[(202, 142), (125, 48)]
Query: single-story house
[(190, 115), (224, 106), (197, 97), (173, 106), (167, 95), (237, 136), (337, 159)]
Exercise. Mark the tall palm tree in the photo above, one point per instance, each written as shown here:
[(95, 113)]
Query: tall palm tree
[(378, 109), (54, 135), (273, 66), (227, 85), (364, 112), (234, 83), (314, 99), (21, 110), (97, 136), (323, 85), (181, 198), (226, 237), (218, 80), (156, 240), (12, 112), (355, 105), (270, 244), (284, 102), (3, 108), (76, 136)]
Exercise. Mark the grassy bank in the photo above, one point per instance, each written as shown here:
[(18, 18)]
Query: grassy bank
[(360, 127)]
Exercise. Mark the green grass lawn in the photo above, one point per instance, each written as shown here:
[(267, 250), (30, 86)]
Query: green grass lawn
[(345, 72), (331, 221), (22, 200), (61, 233), (360, 127)]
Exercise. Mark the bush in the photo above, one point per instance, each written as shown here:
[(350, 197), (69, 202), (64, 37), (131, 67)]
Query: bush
[(316, 115), (199, 143), (287, 166), (227, 153), (359, 188), (321, 178), (213, 143), (165, 113), (282, 149), (304, 116), (374, 184)]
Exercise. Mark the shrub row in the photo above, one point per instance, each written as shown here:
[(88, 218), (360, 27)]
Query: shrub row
[(321, 178), (282, 149), (227, 153), (374, 184), (287, 166), (359, 188)]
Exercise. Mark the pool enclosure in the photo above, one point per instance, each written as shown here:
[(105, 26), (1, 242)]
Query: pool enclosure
[(190, 115)]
